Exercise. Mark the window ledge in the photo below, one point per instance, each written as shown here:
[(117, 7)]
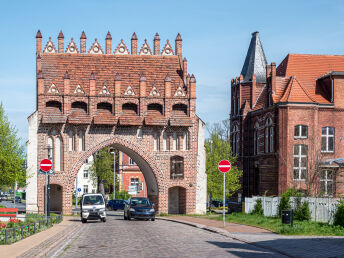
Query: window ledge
[(300, 137), (327, 151)]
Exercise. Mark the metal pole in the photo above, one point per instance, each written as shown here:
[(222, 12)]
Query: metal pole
[(46, 195), (224, 198), (114, 176)]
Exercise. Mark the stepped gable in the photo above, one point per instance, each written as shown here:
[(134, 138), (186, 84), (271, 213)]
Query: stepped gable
[(80, 66), (308, 68)]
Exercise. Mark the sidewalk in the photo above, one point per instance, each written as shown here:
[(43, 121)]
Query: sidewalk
[(291, 246), (42, 242)]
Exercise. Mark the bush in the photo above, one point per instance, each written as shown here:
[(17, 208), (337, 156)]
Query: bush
[(258, 207), (339, 215), (285, 201), (302, 211)]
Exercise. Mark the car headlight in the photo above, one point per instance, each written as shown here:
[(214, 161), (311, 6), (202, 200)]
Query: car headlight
[(132, 209), (151, 210)]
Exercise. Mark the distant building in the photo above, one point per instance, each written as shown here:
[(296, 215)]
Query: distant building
[(287, 123), (84, 180)]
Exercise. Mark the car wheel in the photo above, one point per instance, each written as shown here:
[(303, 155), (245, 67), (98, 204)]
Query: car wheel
[(83, 220), (104, 219), (124, 217), (153, 219), (129, 218)]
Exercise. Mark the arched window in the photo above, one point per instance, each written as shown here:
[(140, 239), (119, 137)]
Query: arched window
[(185, 141), (180, 109), (53, 106), (156, 136), (166, 145), (174, 144), (235, 140), (81, 141), (177, 167), (256, 139), (71, 141), (79, 106), (154, 109), (57, 154), (129, 109), (50, 148), (104, 107), (269, 136)]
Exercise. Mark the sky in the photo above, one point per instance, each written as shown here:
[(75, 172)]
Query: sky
[(216, 35)]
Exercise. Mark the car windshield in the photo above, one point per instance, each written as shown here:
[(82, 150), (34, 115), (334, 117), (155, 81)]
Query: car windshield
[(93, 200), (139, 202)]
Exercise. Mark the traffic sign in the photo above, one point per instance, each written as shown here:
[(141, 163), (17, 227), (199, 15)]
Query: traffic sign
[(224, 166), (79, 189), (46, 165)]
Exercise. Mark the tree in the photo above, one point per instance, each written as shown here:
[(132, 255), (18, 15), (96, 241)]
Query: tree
[(11, 153), (102, 169), (218, 148)]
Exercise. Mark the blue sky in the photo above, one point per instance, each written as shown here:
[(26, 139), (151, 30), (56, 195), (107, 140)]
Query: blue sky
[(216, 35)]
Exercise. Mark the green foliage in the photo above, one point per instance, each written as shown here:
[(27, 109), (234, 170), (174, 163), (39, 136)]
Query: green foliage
[(302, 211), (120, 195), (218, 148), (258, 207), (11, 153), (339, 215), (285, 200), (102, 169)]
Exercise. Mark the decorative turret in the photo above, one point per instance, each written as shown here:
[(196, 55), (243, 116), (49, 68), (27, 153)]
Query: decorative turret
[(38, 42), (134, 44), (156, 44), (60, 39), (178, 45), (83, 42), (108, 40)]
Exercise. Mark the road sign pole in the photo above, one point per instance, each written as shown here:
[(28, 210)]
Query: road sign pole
[(224, 198), (46, 195)]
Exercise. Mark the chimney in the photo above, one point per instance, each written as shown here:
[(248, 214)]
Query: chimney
[(40, 83), (60, 42), (108, 40), (168, 86), (134, 44), (83, 42), (38, 42), (92, 85), (142, 86), (273, 78), (253, 90), (185, 69), (192, 87), (66, 83), (178, 45), (117, 85), (156, 44), (268, 70)]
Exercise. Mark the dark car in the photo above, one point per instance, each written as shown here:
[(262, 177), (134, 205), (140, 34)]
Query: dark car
[(139, 208), (116, 204), (17, 199)]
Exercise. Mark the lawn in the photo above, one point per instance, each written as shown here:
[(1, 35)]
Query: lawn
[(308, 228)]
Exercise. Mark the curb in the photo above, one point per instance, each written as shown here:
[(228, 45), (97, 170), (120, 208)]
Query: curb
[(224, 233)]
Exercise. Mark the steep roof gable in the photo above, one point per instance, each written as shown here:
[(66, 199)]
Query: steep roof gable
[(295, 92)]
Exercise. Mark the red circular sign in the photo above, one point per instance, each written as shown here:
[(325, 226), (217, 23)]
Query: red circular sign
[(46, 165), (224, 166)]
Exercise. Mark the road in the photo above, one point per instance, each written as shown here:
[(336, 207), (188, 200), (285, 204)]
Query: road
[(8, 204), (137, 238)]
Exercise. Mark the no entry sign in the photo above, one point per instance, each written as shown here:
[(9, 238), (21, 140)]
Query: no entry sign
[(224, 166), (46, 165)]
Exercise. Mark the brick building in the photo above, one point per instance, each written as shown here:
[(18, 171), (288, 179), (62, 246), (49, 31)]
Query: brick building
[(286, 123), (140, 101)]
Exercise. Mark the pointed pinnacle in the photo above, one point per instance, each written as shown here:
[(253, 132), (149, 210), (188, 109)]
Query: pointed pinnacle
[(117, 77), (179, 38), (168, 78), (39, 34), (108, 35), (83, 35), (192, 78), (60, 36), (66, 75), (134, 37), (92, 77), (156, 37)]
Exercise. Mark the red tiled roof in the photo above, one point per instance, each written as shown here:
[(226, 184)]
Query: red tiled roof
[(105, 68), (307, 68), (295, 92)]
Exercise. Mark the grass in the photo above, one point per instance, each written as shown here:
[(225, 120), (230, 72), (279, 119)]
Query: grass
[(274, 224)]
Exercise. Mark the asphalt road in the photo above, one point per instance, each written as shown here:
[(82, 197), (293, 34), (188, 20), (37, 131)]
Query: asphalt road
[(138, 238), (8, 204)]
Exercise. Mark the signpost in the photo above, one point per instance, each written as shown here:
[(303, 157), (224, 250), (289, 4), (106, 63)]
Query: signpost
[(224, 166), (46, 166)]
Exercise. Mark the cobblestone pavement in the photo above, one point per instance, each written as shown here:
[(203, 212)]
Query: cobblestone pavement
[(137, 238)]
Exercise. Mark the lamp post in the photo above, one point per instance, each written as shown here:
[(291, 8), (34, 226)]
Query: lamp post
[(114, 174)]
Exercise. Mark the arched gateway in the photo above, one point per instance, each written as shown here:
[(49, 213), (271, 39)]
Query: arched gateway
[(143, 104)]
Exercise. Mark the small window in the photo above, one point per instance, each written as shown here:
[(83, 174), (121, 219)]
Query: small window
[(104, 107), (154, 109), (71, 141), (300, 161), (174, 143), (79, 106), (85, 188), (131, 162), (327, 139), (85, 174), (156, 137), (326, 182), (129, 109), (180, 109), (81, 141), (300, 131), (177, 167), (54, 106), (134, 181), (139, 133)]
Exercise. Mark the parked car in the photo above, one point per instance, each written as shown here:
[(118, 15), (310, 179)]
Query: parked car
[(17, 199), (139, 208), (216, 203), (117, 204), (92, 207)]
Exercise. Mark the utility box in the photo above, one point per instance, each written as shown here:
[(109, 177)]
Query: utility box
[(286, 217)]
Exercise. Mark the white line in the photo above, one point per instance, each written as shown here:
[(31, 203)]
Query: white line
[(224, 166), (46, 165)]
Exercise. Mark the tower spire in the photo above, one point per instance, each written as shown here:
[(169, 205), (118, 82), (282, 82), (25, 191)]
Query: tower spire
[(255, 61)]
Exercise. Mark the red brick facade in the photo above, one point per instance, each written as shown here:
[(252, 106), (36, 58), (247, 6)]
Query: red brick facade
[(141, 102), (287, 128)]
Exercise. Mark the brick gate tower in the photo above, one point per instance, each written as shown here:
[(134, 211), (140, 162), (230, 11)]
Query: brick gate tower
[(139, 101)]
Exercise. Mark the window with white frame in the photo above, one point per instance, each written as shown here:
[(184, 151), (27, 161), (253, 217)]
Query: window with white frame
[(85, 174), (165, 143), (71, 146), (300, 161), (156, 146), (131, 162), (300, 131), (269, 136), (185, 140), (85, 189), (235, 140), (327, 139), (81, 141), (174, 144), (139, 133), (134, 181), (58, 154), (326, 182), (256, 139), (177, 167)]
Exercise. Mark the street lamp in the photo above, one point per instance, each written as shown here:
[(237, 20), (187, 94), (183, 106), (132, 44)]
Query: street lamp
[(114, 174)]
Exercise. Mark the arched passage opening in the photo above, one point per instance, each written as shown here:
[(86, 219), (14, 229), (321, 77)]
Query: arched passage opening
[(176, 200), (56, 198)]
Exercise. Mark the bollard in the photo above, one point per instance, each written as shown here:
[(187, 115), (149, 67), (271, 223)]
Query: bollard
[(22, 231)]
